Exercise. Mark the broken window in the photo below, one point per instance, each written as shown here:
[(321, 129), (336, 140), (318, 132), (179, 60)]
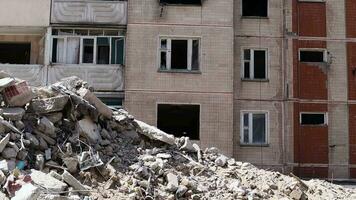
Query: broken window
[(15, 53), (191, 2), (179, 54), (310, 55), (179, 120), (254, 64), (313, 118), (255, 8), (254, 128), (70, 48)]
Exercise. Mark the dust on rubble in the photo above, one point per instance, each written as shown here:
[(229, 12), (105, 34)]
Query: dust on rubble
[(62, 143)]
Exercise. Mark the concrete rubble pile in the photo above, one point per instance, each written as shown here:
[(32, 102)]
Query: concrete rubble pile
[(61, 142)]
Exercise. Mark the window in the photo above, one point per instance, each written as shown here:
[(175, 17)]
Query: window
[(254, 128), (254, 64), (15, 53), (192, 2), (313, 118), (179, 54), (87, 46), (255, 8), (312, 55), (179, 120)]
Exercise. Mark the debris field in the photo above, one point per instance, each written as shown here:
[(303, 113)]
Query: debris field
[(61, 142)]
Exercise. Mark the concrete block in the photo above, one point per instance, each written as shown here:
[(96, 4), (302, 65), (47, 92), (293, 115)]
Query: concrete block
[(47, 181), (13, 114), (48, 105), (68, 178), (98, 104), (87, 128)]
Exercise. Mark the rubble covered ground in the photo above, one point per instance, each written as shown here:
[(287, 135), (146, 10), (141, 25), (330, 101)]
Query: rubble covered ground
[(61, 142)]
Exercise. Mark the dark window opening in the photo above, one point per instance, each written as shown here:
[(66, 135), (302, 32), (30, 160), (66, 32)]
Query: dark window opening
[(254, 8), (260, 64), (179, 54), (15, 53), (191, 2), (311, 56), (88, 50), (195, 55), (117, 51), (179, 120), (312, 119), (103, 51)]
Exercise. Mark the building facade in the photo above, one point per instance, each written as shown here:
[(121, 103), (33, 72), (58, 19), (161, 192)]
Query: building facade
[(271, 82)]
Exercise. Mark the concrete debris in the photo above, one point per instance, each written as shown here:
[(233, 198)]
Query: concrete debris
[(4, 141), (92, 99), (68, 145), (46, 181), (87, 128), (27, 192), (13, 114), (68, 178)]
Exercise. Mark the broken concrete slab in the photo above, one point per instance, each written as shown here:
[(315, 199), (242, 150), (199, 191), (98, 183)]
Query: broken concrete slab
[(9, 153), (4, 141), (154, 133), (48, 105), (13, 113), (68, 178), (47, 181), (46, 126), (88, 129), (98, 104), (55, 117), (27, 192), (18, 94), (172, 182)]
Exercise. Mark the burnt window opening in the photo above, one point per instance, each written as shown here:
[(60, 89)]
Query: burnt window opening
[(179, 120), (15, 53), (179, 54), (254, 64), (311, 56), (255, 8), (313, 119), (187, 2)]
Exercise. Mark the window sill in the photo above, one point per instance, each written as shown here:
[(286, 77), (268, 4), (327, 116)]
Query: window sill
[(254, 80), (254, 17), (314, 125), (315, 63), (179, 71), (254, 145)]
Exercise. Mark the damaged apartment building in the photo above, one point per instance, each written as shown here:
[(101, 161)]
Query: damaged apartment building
[(271, 82)]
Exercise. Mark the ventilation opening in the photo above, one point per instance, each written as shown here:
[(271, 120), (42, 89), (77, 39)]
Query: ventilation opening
[(312, 56), (254, 8), (313, 119), (15, 53), (191, 2), (179, 120)]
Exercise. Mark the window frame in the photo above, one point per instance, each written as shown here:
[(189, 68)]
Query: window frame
[(81, 38), (179, 103), (324, 50), (242, 127), (252, 72), (326, 119), (254, 17), (168, 51)]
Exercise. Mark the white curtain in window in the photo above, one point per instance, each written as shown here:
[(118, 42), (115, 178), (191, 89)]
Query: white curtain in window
[(60, 51), (73, 47)]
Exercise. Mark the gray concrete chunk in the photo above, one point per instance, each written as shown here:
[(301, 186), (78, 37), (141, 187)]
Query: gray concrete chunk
[(13, 114), (47, 181), (68, 178)]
